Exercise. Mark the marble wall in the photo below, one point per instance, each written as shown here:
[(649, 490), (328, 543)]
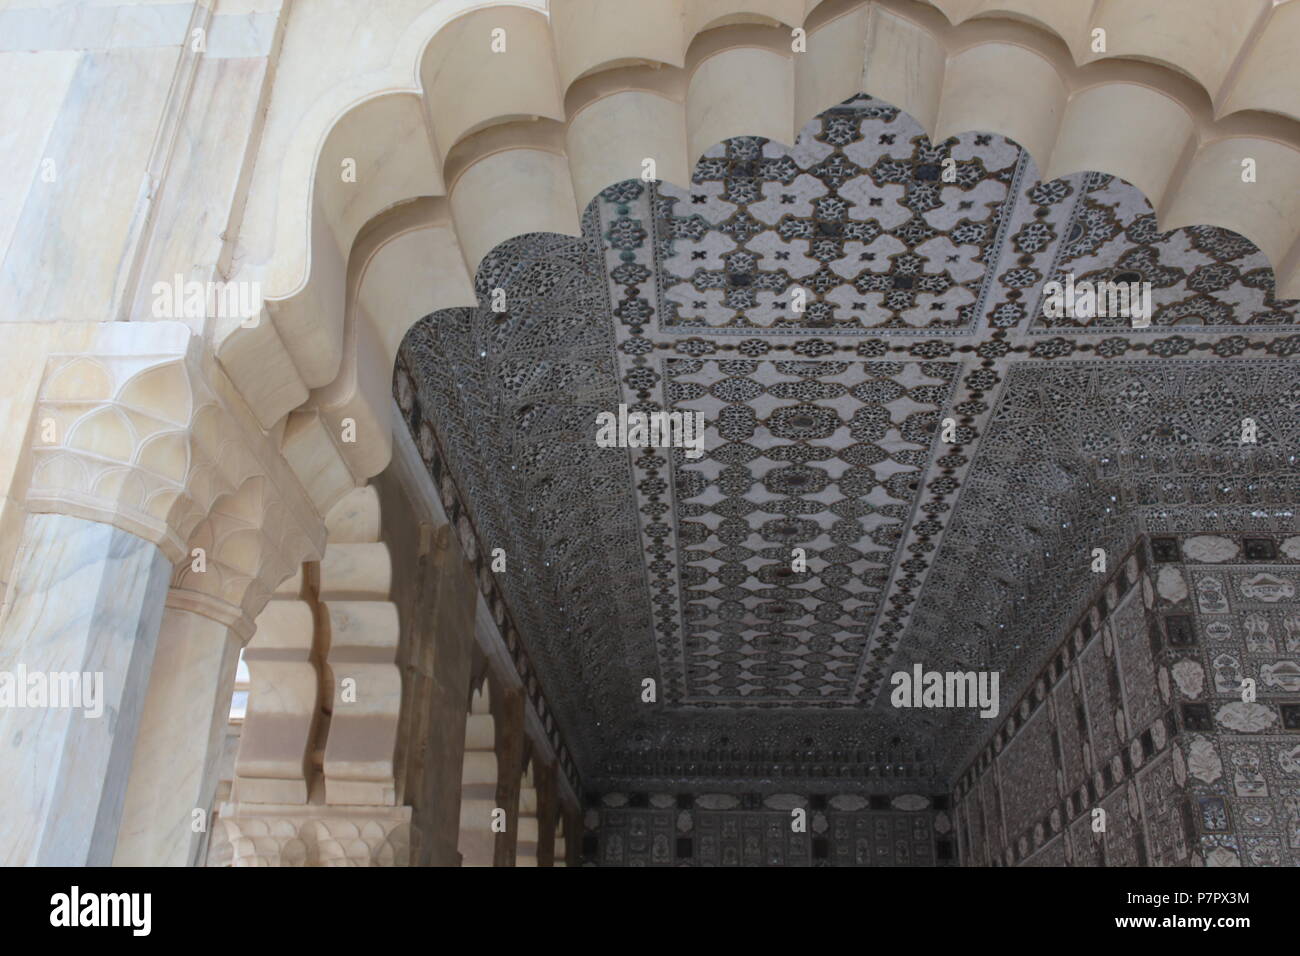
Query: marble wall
[(83, 614)]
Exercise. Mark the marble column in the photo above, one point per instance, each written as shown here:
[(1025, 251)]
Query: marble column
[(186, 711), (85, 598), (510, 757), (560, 854), (527, 824), (143, 469), (479, 771)]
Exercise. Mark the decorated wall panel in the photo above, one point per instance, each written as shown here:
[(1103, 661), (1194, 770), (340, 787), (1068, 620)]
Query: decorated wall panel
[(750, 829), (1173, 706), (1231, 615), (1086, 735)]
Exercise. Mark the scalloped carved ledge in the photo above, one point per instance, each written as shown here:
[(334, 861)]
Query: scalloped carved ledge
[(503, 143)]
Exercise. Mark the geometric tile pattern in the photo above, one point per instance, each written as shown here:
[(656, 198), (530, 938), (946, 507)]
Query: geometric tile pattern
[(1083, 736), (1146, 694), (1231, 606), (858, 215), (821, 456), (1201, 277), (920, 269), (1073, 458)]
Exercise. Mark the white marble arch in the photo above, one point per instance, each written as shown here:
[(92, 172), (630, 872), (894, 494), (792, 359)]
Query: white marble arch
[(457, 148)]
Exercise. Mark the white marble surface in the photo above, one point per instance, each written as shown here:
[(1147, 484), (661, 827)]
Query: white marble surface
[(101, 131), (85, 597), (89, 26), (182, 731)]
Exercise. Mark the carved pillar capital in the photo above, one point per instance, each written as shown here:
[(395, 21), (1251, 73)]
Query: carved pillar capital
[(236, 556), (157, 442)]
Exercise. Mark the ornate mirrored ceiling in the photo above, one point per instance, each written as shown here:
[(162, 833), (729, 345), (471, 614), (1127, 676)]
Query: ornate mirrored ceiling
[(922, 269)]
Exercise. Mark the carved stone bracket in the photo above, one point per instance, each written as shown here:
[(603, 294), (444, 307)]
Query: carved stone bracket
[(160, 445)]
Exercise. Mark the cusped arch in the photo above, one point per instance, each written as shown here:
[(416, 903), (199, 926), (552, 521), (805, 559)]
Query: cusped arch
[(483, 174)]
